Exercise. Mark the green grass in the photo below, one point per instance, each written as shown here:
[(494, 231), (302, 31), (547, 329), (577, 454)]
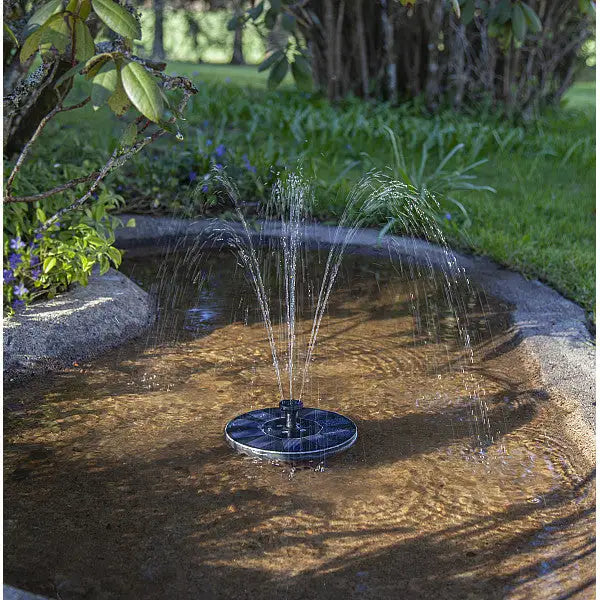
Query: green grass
[(240, 76), (541, 220), (582, 95)]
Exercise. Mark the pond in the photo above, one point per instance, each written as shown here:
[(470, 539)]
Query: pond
[(462, 483)]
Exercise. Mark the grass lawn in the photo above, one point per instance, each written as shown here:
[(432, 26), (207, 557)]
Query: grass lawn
[(541, 220), (582, 95)]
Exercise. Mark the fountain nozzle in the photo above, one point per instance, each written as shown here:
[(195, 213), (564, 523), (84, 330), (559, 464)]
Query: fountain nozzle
[(290, 409)]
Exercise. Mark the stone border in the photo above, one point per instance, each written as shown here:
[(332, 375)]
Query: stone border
[(551, 328), (77, 325)]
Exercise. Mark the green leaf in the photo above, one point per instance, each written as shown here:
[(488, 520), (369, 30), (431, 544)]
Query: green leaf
[(302, 73), (11, 36), (31, 45), (68, 74), (41, 215), (41, 15), (104, 265), (271, 59), (130, 223), (119, 102), (85, 8), (115, 255), (95, 63), (288, 22), (104, 84), (171, 128), (519, 25), (468, 12), (49, 264), (84, 43), (277, 73), (270, 18), (56, 32), (501, 13), (255, 12), (531, 16), (129, 135), (117, 18), (142, 90)]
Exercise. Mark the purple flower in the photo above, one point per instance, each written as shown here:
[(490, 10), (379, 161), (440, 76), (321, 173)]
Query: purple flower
[(36, 274), (20, 289), (448, 216), (205, 189), (218, 166), (119, 188), (220, 150), (247, 164), (195, 73), (16, 243), (193, 176), (18, 304), (205, 124), (34, 260), (209, 142), (227, 79), (8, 276), (14, 260), (38, 236)]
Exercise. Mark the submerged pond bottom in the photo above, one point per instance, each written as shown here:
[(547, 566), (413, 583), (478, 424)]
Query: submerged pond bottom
[(118, 483)]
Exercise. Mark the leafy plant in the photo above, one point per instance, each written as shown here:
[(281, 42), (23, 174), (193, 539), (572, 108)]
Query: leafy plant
[(441, 179), (59, 32), (42, 264)]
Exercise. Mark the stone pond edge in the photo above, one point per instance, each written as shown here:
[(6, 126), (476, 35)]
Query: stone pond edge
[(80, 324)]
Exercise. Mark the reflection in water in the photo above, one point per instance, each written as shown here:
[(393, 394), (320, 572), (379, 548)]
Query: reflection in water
[(118, 483)]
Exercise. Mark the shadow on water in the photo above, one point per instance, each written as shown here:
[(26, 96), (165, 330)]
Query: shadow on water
[(148, 529)]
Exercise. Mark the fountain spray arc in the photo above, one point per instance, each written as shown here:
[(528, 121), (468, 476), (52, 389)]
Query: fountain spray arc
[(291, 432)]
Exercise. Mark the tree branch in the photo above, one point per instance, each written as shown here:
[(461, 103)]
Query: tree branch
[(57, 109), (57, 190)]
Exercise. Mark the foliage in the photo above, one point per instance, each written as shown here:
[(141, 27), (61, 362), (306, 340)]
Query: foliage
[(523, 54), (53, 241), (43, 263)]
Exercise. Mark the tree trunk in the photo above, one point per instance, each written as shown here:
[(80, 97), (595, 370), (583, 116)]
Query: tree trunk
[(385, 49), (330, 50), (19, 126), (238, 51), (158, 47), (390, 60), (362, 49)]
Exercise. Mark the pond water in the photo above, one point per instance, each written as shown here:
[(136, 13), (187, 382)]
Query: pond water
[(119, 484)]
